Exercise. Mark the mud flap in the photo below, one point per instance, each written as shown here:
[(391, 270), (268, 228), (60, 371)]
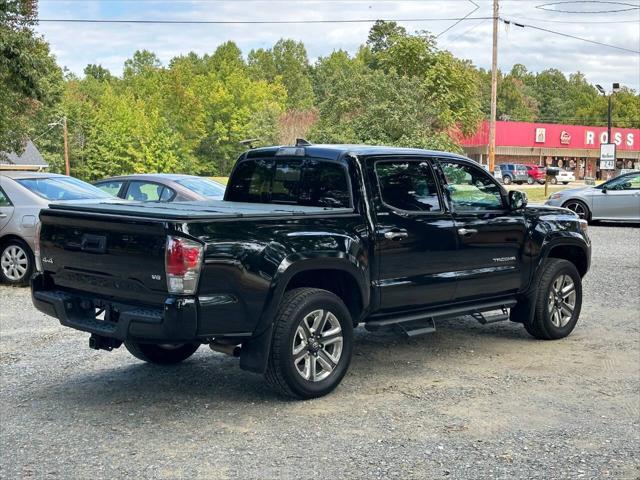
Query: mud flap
[(254, 354)]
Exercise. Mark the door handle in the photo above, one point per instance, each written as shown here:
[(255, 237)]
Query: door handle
[(3, 215), (396, 235), (467, 232)]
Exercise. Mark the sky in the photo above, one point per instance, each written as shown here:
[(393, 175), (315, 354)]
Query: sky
[(613, 22)]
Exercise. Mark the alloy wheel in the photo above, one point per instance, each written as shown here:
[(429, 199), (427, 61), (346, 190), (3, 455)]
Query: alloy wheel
[(578, 208), (14, 263), (562, 300), (317, 345)]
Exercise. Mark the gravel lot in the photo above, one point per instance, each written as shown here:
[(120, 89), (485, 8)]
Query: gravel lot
[(466, 402)]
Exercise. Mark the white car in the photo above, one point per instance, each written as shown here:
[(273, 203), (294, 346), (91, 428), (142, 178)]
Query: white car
[(564, 176)]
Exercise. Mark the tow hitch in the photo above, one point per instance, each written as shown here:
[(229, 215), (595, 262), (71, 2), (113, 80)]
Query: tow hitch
[(98, 342)]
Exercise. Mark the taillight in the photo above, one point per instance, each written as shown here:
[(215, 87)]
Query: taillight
[(36, 247), (183, 259)]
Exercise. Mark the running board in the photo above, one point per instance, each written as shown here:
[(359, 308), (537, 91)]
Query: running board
[(424, 322)]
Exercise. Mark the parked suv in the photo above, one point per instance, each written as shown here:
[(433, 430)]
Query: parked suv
[(309, 242), (511, 173), (536, 173)]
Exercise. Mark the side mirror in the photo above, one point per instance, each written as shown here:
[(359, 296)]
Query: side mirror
[(517, 200), (604, 189)]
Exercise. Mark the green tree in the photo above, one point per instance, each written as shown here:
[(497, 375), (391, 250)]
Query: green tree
[(30, 79), (287, 63), (97, 72)]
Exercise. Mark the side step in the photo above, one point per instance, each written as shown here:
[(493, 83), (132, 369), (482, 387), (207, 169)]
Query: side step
[(424, 322)]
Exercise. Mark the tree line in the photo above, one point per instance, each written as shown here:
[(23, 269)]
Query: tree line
[(192, 114)]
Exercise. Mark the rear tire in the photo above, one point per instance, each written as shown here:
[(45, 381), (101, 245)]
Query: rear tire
[(558, 301), (506, 180), (312, 344), (554, 181), (530, 181), (16, 262), (163, 354), (565, 183)]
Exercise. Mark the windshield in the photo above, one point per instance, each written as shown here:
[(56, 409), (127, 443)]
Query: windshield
[(62, 188), (203, 186)]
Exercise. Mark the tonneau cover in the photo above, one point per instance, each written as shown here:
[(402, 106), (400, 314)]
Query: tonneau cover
[(196, 210)]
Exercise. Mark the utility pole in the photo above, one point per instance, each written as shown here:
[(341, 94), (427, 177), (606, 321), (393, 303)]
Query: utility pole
[(494, 90), (66, 145)]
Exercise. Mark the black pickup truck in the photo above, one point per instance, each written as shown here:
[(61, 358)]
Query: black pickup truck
[(309, 242)]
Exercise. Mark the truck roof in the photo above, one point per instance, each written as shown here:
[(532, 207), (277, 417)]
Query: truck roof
[(335, 151)]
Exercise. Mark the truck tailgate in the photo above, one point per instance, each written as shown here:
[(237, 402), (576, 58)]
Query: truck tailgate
[(110, 257)]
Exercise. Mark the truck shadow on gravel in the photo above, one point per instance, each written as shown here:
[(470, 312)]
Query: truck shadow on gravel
[(209, 378)]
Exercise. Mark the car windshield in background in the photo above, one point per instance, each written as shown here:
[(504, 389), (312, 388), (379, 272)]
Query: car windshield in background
[(203, 186), (62, 188)]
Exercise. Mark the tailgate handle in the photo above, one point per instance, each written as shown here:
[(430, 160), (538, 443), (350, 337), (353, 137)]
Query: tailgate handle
[(93, 243)]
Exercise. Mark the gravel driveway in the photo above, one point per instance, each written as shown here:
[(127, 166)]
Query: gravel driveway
[(466, 402)]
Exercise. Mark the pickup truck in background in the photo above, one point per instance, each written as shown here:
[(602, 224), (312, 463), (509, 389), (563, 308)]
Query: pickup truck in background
[(311, 241)]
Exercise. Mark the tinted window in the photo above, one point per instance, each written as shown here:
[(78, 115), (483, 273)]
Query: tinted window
[(311, 183), (144, 191), (203, 186), (62, 188), (286, 181), (251, 182), (112, 187), (324, 184), (4, 200), (470, 188), (408, 185)]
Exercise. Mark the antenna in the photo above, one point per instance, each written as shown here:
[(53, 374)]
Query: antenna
[(301, 142)]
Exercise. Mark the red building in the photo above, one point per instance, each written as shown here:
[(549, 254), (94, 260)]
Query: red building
[(573, 147)]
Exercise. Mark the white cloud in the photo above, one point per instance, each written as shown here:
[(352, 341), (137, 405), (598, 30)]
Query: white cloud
[(75, 44)]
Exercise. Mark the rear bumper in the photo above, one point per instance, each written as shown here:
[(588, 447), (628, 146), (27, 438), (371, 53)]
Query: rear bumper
[(176, 320)]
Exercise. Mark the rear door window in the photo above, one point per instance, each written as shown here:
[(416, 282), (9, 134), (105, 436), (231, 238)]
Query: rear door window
[(111, 186), (408, 185), (141, 191)]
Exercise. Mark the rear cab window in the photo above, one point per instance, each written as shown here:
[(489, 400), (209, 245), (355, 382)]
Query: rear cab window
[(290, 180)]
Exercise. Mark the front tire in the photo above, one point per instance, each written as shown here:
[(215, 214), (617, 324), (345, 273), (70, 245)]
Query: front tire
[(579, 208), (16, 262), (530, 181), (312, 344), (506, 180), (558, 301), (554, 181), (162, 354)]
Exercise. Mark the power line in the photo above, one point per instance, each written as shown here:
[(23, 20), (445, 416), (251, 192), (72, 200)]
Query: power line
[(458, 21), (626, 6), (251, 22), (523, 25)]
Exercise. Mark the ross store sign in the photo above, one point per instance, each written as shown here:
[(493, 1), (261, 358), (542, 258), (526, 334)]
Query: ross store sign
[(607, 156)]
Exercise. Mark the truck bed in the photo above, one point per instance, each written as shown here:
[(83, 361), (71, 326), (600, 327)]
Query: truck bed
[(195, 210)]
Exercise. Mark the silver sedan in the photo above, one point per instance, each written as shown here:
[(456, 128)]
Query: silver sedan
[(617, 199), (22, 196)]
